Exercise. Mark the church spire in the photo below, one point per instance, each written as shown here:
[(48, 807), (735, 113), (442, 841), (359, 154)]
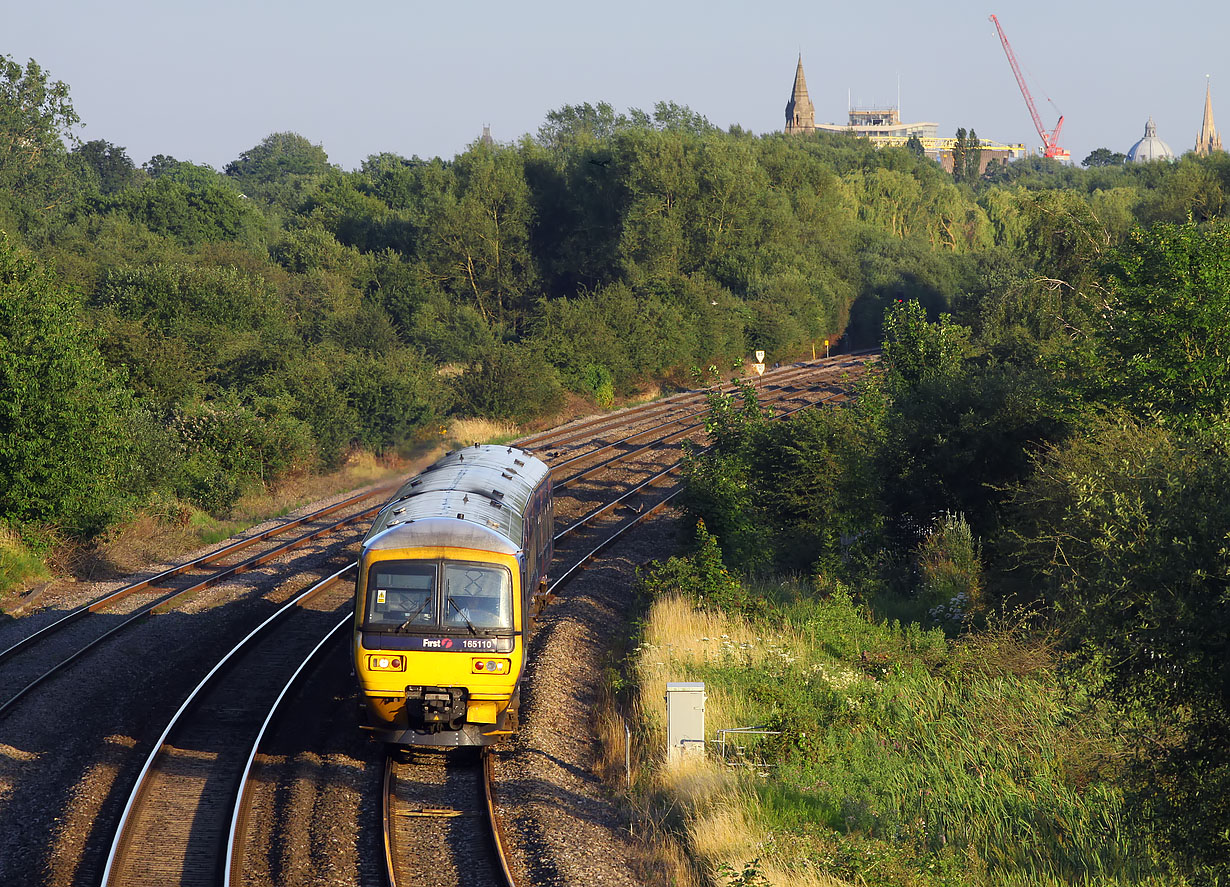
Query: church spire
[(1208, 141), (800, 114)]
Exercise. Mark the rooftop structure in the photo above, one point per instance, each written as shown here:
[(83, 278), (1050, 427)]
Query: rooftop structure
[(1209, 140), (877, 123), (1150, 147)]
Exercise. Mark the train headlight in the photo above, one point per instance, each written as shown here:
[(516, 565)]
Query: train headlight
[(490, 666), (385, 662)]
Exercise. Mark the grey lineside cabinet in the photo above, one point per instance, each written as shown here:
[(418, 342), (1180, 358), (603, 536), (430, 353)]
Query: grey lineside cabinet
[(685, 720)]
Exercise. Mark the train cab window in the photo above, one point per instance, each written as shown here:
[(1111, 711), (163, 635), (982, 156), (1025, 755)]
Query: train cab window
[(477, 597), (401, 595)]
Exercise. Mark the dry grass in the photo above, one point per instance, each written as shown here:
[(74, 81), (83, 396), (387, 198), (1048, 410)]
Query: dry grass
[(464, 432), (724, 830), (717, 823), (805, 876), (678, 636)]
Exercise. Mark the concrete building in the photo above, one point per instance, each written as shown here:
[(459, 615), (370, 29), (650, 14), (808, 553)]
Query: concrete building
[(876, 123)]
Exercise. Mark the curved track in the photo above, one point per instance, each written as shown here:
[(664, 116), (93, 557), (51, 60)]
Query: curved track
[(183, 802)]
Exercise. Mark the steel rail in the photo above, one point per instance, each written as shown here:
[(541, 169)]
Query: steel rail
[(499, 844), (573, 432), (166, 599), (234, 853), (118, 841), (790, 371), (670, 438), (674, 466), (386, 818), (567, 574), (120, 593)]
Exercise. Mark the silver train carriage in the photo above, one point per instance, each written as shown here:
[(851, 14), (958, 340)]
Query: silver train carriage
[(450, 574)]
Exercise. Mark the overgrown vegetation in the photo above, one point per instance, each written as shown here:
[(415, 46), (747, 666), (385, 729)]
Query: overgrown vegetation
[(891, 754), (987, 469)]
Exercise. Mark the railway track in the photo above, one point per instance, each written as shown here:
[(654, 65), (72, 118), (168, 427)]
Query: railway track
[(440, 800), (191, 774), (25, 663), (418, 821), (176, 826)]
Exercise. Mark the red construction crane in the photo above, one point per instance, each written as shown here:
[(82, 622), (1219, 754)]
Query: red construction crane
[(1050, 140)]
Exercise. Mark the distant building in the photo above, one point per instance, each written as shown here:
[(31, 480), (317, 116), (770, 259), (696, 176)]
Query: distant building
[(1150, 147), (800, 113), (486, 138), (884, 129), (875, 123), (1208, 141)]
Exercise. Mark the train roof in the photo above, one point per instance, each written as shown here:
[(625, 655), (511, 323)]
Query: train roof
[(470, 498)]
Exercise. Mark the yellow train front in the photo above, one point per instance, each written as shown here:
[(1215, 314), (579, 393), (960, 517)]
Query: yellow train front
[(445, 595)]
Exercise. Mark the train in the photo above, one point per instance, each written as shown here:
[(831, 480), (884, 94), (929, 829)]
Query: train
[(450, 577)]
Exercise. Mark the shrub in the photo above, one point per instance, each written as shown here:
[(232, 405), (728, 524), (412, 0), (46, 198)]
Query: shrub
[(509, 382), (950, 570)]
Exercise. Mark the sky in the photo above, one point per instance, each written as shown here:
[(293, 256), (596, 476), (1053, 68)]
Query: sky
[(206, 81)]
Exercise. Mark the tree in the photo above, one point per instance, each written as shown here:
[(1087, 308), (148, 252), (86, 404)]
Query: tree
[(189, 213), (36, 119), (680, 118), (915, 146), (916, 351), (111, 163), (483, 237), (973, 158), (573, 124), (185, 172), (279, 156), (960, 147), (64, 447), (1167, 330), (1103, 157), (280, 169), (966, 157)]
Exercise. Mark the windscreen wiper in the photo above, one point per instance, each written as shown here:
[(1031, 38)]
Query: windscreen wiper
[(469, 624), (415, 614)]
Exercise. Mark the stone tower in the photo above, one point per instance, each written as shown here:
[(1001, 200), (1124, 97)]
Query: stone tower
[(1208, 141), (800, 115)]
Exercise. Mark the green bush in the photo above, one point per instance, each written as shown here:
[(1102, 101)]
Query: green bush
[(1126, 524), (65, 453), (950, 571), (509, 382), (701, 577)]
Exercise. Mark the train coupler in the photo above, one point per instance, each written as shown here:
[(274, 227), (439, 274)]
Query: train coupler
[(430, 706)]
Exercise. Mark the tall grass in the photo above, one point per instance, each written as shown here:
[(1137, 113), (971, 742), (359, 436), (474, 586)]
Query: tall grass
[(465, 432), (900, 757), (18, 564)]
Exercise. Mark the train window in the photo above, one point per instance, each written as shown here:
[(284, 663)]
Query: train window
[(401, 594), (477, 597)]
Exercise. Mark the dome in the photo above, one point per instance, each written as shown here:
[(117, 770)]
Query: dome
[(1150, 147)]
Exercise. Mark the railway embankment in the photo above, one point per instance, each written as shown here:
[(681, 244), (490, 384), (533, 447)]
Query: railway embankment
[(848, 748)]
